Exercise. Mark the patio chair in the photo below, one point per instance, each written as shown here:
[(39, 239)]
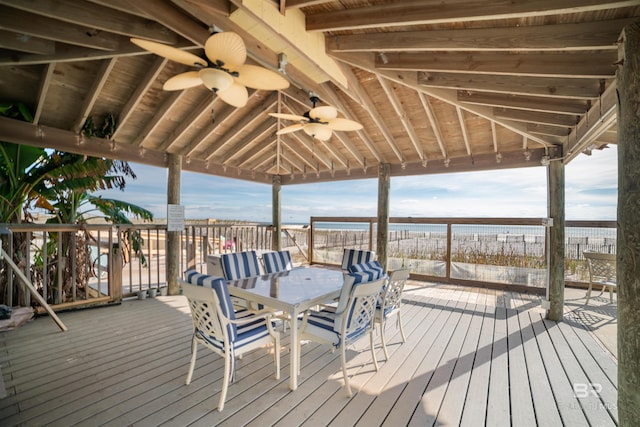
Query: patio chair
[(351, 320), (240, 265), (390, 304), (276, 262), (602, 271), (222, 330), (356, 256)]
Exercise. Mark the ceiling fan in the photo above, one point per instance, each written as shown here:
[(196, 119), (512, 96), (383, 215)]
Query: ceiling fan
[(222, 70), (319, 122)]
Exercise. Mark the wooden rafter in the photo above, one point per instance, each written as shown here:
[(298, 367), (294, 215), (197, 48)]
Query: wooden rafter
[(94, 92)]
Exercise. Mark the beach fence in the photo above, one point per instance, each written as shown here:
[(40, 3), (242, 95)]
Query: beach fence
[(92, 264), (500, 252)]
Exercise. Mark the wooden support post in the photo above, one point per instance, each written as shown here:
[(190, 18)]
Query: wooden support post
[(384, 185), (555, 266), (173, 237), (628, 251), (115, 270), (276, 236)]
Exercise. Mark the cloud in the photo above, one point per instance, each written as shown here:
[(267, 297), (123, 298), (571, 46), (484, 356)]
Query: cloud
[(590, 193)]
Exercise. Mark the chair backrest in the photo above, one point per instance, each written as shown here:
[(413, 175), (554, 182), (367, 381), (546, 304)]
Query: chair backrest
[(210, 306), (392, 291), (601, 266), (275, 262), (356, 256), (361, 307), (240, 265), (366, 271)]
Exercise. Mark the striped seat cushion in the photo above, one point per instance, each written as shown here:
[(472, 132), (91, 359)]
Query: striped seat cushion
[(246, 333), (240, 265), (322, 324), (275, 262), (366, 272), (219, 285), (356, 256)]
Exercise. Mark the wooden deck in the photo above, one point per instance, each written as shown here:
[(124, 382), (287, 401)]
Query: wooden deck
[(472, 357)]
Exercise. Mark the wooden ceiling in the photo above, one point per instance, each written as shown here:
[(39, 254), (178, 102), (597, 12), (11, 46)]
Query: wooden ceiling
[(438, 86)]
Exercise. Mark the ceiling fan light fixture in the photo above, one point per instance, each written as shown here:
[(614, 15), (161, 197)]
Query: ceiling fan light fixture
[(215, 79), (317, 131)]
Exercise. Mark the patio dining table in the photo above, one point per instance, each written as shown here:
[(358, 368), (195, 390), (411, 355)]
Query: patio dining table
[(293, 292)]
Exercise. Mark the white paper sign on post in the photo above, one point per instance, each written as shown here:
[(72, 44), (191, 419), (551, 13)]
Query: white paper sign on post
[(175, 217)]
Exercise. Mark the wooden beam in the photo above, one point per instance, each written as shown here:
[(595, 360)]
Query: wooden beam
[(366, 62), (219, 117), (196, 113), (136, 97), (171, 17), (556, 235), (435, 127), (95, 16), (93, 93), (463, 129), (45, 82), (598, 119), (534, 117), (558, 37), (246, 121), (550, 105), (24, 43), (517, 85), (19, 132), (548, 129), (408, 127), (51, 29), (457, 164), (404, 13), (172, 100), (628, 251), (596, 64), (174, 239), (245, 144), (382, 232)]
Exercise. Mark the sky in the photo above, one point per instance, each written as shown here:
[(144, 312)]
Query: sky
[(590, 194)]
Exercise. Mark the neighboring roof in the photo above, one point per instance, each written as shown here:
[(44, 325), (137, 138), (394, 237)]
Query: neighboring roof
[(439, 86)]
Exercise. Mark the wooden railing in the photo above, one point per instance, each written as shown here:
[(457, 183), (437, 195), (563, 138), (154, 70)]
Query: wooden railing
[(80, 265), (490, 252)]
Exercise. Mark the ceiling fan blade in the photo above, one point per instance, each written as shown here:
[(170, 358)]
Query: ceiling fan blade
[(289, 117), (235, 95), (290, 129), (261, 78), (183, 81), (325, 112), (228, 48), (343, 124), (170, 52)]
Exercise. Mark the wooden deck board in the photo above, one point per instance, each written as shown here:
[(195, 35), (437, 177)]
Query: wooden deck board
[(472, 356)]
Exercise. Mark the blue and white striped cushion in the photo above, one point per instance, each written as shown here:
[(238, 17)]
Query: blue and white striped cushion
[(322, 324), (366, 272), (219, 285), (240, 265), (246, 334), (356, 256), (275, 262)]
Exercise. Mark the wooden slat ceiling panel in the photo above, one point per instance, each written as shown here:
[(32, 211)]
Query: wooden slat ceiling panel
[(428, 80)]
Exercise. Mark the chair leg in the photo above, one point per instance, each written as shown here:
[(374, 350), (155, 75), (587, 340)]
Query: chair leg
[(343, 358), (194, 351), (610, 293), (383, 323), (228, 362), (276, 354), (373, 350), (404, 339), (588, 294)]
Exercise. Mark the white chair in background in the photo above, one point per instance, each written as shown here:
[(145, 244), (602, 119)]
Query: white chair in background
[(602, 271), (390, 303)]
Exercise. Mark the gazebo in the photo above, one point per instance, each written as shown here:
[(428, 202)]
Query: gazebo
[(438, 87)]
